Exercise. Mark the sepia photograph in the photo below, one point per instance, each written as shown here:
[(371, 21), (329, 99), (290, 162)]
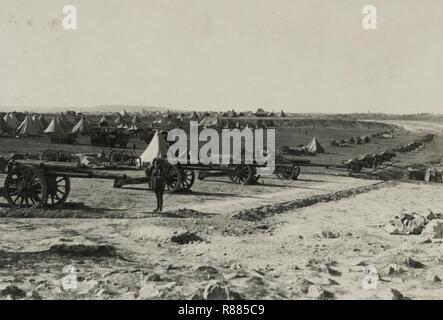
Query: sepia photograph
[(239, 151)]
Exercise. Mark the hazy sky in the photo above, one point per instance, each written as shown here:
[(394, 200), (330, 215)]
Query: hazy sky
[(296, 55)]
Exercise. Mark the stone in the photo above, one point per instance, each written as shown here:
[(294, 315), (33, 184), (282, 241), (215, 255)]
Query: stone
[(153, 277), (397, 295), (391, 229), (148, 292), (34, 295), (434, 229), (406, 216), (185, 238), (13, 291), (413, 263), (215, 291), (395, 269), (317, 292), (431, 215), (333, 272), (207, 272), (330, 234)]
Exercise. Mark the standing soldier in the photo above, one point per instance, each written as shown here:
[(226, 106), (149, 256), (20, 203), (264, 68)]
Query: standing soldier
[(158, 181)]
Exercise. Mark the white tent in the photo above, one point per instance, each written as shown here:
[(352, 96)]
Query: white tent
[(4, 127), (28, 127), (314, 146), (63, 122), (54, 127), (43, 121), (157, 148), (37, 123), (123, 125), (11, 120), (123, 113), (103, 122), (193, 115), (133, 127), (81, 127), (118, 119)]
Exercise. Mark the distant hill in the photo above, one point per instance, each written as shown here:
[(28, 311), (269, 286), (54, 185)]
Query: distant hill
[(118, 108), (92, 109)]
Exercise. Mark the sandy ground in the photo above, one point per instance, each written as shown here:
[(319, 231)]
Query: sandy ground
[(121, 250)]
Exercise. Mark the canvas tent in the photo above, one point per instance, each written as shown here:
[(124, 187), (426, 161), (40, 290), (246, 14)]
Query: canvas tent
[(63, 122), (157, 148), (193, 115), (11, 120), (134, 128), (123, 126), (42, 121), (4, 128), (103, 122), (314, 146), (54, 127), (28, 127), (37, 123), (118, 119), (81, 127), (231, 114), (260, 113), (123, 113)]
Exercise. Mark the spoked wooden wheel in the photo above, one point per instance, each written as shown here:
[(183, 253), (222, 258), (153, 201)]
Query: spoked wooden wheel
[(288, 173), (64, 156), (241, 173), (49, 155), (25, 187), (58, 189), (173, 178), (187, 179), (296, 173)]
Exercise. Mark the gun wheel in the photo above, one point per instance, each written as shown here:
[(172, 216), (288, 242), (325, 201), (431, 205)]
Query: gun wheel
[(241, 173), (187, 179), (49, 155), (58, 189), (25, 187)]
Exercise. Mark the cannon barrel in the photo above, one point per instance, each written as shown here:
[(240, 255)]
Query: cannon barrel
[(70, 169)]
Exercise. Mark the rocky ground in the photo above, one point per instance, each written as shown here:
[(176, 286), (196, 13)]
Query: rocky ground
[(322, 237)]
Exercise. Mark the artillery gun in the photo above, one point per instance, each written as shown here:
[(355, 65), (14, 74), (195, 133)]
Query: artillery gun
[(109, 137), (33, 183)]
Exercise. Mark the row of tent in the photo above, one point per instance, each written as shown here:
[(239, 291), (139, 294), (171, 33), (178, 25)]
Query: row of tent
[(30, 126), (34, 125), (170, 119), (158, 148)]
